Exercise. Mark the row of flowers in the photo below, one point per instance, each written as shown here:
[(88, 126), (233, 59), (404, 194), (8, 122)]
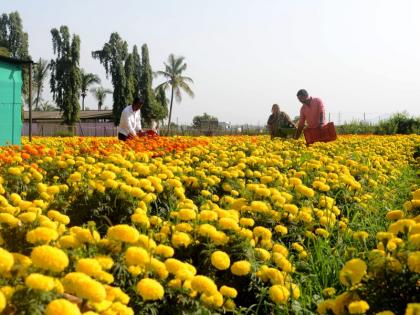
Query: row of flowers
[(100, 227)]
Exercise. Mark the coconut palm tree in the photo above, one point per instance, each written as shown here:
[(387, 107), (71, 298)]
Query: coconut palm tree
[(46, 107), (40, 74), (87, 80), (100, 95), (175, 80)]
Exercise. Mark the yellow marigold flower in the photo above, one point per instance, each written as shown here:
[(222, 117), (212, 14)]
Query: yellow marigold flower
[(322, 232), (412, 309), (394, 215), (84, 287), (401, 226), (208, 215), (228, 291), (62, 307), (140, 218), (228, 224), (6, 260), (75, 177), (220, 260), (306, 191), (281, 229), (2, 302), (328, 292), (297, 247), (413, 262), (49, 258), (358, 307), (123, 233), (247, 222), (282, 262), (279, 294), (8, 292), (187, 214), (325, 306), (241, 268), (38, 281), (259, 206), (59, 217), (260, 231), (14, 171), (385, 313), (293, 209), (360, 235), (203, 284), (181, 239), (214, 300), (27, 217), (164, 250), (137, 256), (88, 266), (9, 219), (150, 289), (41, 235), (106, 262), (262, 254), (174, 265), (353, 272), (415, 240), (69, 241)]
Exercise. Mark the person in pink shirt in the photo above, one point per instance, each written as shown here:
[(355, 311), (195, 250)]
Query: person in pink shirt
[(312, 111)]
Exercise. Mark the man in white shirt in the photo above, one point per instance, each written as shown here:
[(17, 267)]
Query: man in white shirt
[(130, 121)]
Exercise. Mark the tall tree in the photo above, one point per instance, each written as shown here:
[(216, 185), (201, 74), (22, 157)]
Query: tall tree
[(40, 74), (100, 95), (131, 81), (137, 69), (175, 80), (149, 108), (112, 57), (162, 104), (15, 41), (87, 79), (65, 74)]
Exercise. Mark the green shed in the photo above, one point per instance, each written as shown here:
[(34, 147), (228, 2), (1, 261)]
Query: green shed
[(11, 99)]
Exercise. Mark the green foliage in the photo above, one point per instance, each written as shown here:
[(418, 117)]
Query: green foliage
[(100, 94), (399, 123), (40, 73), (113, 56), (87, 79), (149, 108), (162, 104), (65, 74), (205, 121), (175, 80), (4, 52), (14, 42)]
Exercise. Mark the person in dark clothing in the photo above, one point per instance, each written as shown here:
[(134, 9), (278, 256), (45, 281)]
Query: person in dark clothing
[(279, 123)]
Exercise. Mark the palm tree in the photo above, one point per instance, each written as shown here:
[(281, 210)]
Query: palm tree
[(87, 80), (100, 95), (47, 107), (40, 74), (175, 80)]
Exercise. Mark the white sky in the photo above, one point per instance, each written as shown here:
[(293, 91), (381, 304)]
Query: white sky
[(359, 56)]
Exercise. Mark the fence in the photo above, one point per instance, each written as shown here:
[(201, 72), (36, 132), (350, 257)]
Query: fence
[(80, 129)]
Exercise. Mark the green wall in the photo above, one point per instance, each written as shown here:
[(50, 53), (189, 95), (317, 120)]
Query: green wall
[(10, 103)]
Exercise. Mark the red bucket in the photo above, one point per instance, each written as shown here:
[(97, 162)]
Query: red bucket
[(325, 133)]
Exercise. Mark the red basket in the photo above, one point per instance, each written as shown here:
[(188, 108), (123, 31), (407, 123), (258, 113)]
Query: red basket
[(148, 133), (325, 133)]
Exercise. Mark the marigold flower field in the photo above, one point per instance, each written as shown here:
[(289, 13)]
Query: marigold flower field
[(210, 225)]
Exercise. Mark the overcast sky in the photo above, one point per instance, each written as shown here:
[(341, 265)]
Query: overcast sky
[(358, 56)]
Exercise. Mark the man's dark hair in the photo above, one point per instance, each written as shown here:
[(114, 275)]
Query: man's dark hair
[(303, 93), (138, 100)]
